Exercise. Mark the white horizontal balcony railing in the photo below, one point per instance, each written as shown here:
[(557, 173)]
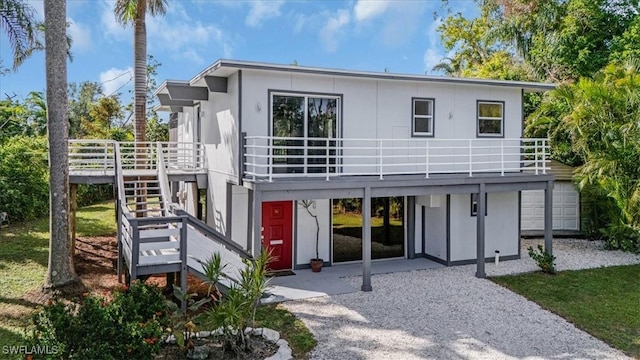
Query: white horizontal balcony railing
[(99, 156), (268, 158), (92, 155)]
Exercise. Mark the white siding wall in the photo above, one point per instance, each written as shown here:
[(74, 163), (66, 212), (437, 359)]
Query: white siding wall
[(383, 108), (306, 232), (501, 226), (186, 132), (435, 225)]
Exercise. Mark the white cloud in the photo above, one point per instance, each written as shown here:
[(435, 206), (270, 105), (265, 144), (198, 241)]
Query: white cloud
[(368, 9), (110, 26), (333, 28), (432, 57), (80, 34), (261, 11), (177, 32), (114, 80)]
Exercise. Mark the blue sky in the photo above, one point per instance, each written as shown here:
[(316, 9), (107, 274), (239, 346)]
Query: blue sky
[(398, 35)]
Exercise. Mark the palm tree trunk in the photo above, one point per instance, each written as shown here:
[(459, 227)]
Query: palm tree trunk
[(140, 94), (140, 72), (60, 270)]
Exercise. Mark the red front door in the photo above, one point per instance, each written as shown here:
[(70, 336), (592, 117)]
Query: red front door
[(277, 237)]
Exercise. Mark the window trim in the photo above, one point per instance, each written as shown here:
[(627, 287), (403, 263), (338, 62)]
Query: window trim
[(486, 204), (478, 134), (413, 117)]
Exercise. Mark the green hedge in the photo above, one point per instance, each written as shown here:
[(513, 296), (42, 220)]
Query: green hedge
[(24, 180)]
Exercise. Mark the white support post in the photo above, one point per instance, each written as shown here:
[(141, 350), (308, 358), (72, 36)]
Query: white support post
[(502, 157), (544, 156), (427, 161), (535, 159), (470, 157), (326, 156), (380, 157), (270, 158)]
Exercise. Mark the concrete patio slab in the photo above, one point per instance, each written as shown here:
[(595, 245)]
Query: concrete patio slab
[(306, 284)]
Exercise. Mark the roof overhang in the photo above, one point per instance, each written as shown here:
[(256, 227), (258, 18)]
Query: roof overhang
[(181, 90), (165, 100), (224, 68)]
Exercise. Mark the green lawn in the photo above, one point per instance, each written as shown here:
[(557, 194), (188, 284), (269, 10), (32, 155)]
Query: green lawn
[(290, 328), (604, 302), (24, 252)]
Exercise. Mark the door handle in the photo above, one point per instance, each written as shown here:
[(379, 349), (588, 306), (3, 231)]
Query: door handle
[(276, 242)]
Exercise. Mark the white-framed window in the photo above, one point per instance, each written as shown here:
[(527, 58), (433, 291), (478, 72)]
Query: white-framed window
[(474, 204), (422, 116), (490, 118)]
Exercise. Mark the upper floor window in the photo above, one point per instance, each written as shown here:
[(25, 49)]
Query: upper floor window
[(423, 110), (490, 118)]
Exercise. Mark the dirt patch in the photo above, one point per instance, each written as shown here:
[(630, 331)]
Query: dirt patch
[(95, 262)]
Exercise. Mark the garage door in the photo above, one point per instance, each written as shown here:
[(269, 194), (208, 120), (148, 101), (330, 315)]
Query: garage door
[(566, 208)]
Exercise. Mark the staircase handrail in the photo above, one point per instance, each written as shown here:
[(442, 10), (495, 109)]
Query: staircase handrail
[(163, 179), (205, 229), (119, 177)]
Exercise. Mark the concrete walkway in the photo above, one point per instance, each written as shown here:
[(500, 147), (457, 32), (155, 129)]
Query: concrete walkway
[(306, 284)]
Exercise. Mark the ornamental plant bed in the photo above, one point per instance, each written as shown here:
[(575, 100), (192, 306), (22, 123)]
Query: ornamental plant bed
[(261, 349)]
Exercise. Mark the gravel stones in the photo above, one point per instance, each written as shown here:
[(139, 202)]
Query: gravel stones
[(448, 313)]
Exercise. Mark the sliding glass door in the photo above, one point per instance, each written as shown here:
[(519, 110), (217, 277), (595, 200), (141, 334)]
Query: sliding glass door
[(304, 118)]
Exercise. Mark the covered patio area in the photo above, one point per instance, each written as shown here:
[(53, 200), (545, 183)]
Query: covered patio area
[(306, 284)]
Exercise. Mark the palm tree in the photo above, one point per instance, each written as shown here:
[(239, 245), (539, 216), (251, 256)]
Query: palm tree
[(135, 12), (60, 270), (16, 18)]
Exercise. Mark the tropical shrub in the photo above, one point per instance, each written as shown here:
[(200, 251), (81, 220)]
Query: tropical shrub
[(24, 176), (545, 261), (129, 326)]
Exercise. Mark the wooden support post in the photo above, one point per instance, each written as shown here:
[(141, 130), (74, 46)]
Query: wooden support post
[(366, 240), (183, 260), (120, 262), (135, 251), (548, 218), (482, 205), (73, 208), (256, 247), (411, 227), (250, 220)]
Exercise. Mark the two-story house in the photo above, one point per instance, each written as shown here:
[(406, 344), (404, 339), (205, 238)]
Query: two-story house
[(447, 153)]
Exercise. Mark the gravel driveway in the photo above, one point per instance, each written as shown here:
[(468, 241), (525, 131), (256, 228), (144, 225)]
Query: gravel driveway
[(449, 314)]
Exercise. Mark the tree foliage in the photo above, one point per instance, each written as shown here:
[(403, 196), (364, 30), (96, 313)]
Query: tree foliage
[(600, 118)]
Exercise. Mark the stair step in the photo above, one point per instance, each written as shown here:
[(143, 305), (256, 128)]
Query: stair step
[(144, 202)]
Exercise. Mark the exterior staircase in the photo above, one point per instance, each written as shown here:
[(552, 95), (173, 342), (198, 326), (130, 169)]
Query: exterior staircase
[(143, 196), (155, 236)]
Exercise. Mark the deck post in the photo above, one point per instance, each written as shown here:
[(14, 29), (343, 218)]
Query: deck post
[(249, 220), (73, 208), (256, 246), (366, 240), (411, 227), (119, 240), (481, 208), (183, 260), (229, 223), (548, 218), (135, 250)]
